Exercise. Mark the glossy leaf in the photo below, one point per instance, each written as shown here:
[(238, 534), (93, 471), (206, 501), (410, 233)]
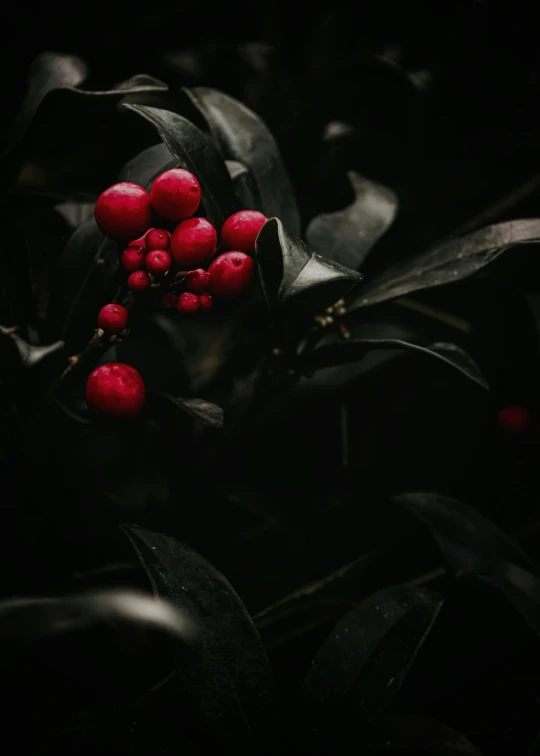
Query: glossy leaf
[(291, 273), (229, 682), (452, 261), (348, 235), (242, 136), (85, 273), (420, 734), (344, 351), (148, 164), (196, 153), (200, 409), (469, 542), (245, 187), (365, 660), (27, 620), (29, 355)]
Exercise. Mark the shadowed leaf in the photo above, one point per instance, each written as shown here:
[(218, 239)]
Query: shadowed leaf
[(208, 413), (420, 734)]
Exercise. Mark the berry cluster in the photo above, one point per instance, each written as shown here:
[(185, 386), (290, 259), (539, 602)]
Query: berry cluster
[(184, 256)]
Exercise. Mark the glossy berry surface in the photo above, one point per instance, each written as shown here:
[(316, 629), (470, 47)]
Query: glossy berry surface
[(157, 238), (113, 318), (139, 280), (197, 280), (193, 243), (116, 390), (231, 274), (187, 302), (175, 194), (123, 211), (132, 258), (169, 299), (157, 261), (205, 302), (241, 229)]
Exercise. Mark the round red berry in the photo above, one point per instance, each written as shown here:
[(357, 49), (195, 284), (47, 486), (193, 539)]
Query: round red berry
[(193, 243), (132, 258), (116, 390), (231, 274), (138, 280), (175, 194), (123, 211), (187, 302), (157, 261), (157, 238), (205, 301), (197, 280), (169, 299), (113, 318), (514, 419), (241, 229)]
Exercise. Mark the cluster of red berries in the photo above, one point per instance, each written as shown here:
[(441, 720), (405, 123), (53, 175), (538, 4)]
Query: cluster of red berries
[(124, 212)]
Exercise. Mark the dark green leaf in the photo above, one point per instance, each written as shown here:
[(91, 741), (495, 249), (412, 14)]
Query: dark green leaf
[(147, 165), (245, 187), (468, 541), (229, 681), (242, 136), (27, 620), (28, 354), (522, 588), (364, 662), (452, 261), (202, 410), (420, 734), (196, 153), (348, 235), (291, 273), (343, 351), (85, 274)]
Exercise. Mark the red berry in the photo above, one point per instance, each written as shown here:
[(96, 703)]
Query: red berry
[(231, 274), (123, 211), (169, 299), (193, 243), (241, 229), (175, 194), (132, 258), (157, 238), (138, 280), (205, 301), (113, 318), (187, 302), (115, 389), (197, 280), (514, 419), (158, 261)]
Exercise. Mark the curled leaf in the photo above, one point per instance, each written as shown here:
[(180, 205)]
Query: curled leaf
[(28, 354), (348, 235), (242, 136), (196, 153), (452, 261)]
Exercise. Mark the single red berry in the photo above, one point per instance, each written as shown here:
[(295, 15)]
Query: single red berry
[(123, 211), (193, 243), (241, 229), (197, 280), (157, 238), (231, 274), (205, 301), (187, 302), (514, 419), (113, 318), (169, 299), (175, 194), (132, 258), (157, 261), (138, 280), (116, 390)]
